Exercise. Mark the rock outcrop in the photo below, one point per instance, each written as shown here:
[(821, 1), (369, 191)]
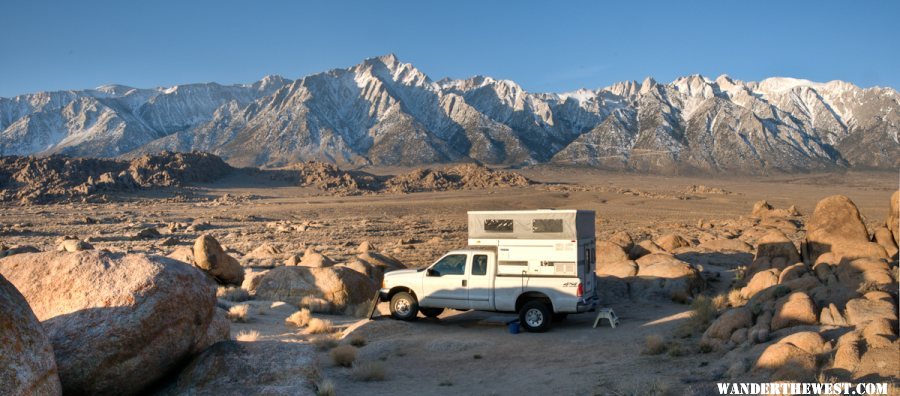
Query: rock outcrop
[(210, 257), (117, 322), (27, 365)]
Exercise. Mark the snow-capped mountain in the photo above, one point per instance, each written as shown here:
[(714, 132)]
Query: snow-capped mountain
[(384, 111)]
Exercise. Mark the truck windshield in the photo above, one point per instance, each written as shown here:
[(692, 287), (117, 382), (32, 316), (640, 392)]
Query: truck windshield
[(454, 264)]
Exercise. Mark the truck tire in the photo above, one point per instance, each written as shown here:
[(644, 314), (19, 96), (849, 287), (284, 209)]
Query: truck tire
[(431, 312), (559, 317), (404, 306), (535, 316)]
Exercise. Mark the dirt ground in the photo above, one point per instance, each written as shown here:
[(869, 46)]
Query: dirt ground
[(461, 352)]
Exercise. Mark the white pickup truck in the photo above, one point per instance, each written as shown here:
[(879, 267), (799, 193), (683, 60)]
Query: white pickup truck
[(538, 263)]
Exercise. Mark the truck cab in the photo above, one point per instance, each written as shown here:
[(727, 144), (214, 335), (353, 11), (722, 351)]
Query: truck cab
[(542, 279)]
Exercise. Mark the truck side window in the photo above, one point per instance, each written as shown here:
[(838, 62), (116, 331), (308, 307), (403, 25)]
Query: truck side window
[(454, 264), (479, 264)]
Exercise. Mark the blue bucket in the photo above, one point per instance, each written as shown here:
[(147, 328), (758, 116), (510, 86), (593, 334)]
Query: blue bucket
[(513, 327)]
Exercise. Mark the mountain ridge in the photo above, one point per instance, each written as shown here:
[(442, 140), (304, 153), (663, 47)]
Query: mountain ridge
[(386, 112)]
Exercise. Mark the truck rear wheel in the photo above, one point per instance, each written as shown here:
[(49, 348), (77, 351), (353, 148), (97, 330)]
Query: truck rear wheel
[(431, 312), (535, 316), (404, 306)]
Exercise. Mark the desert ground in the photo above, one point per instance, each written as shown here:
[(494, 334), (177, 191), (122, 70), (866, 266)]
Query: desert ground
[(460, 352)]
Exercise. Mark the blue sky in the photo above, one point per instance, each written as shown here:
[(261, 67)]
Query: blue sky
[(49, 45)]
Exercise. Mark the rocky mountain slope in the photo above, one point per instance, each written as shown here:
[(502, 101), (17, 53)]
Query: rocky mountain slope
[(383, 111)]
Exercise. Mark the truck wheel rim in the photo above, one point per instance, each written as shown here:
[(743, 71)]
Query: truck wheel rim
[(534, 317), (402, 307)]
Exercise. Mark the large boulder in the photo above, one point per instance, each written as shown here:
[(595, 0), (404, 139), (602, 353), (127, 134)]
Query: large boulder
[(670, 242), (249, 368), (883, 237), (793, 310), (339, 286), (775, 244), (211, 258), (733, 245), (760, 281), (27, 365), (733, 319), (610, 252), (664, 275), (314, 259), (860, 311), (117, 323), (618, 269), (644, 248), (836, 226)]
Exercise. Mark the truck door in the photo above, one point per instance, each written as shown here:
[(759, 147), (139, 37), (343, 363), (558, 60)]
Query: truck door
[(480, 285), (445, 283)]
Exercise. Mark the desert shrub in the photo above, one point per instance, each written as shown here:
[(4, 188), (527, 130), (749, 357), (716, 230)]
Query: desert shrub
[(735, 299), (720, 302), (641, 388), (298, 319), (232, 293), (325, 342), (654, 345), (343, 355), (238, 313), (705, 346), (249, 336), (369, 371), (325, 388), (703, 311), (675, 349), (320, 326), (316, 304), (358, 340)]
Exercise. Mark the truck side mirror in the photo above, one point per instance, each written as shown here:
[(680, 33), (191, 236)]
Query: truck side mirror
[(430, 272)]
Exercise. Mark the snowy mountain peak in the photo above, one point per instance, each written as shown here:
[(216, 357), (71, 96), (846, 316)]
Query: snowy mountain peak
[(385, 111)]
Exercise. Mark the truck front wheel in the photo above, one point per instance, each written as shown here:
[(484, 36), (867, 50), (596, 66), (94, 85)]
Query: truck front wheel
[(535, 316), (404, 306)]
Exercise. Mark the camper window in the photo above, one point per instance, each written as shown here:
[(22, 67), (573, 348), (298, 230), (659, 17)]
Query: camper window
[(546, 225), (498, 225)]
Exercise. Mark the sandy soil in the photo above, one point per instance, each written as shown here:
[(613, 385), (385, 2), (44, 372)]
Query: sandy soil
[(461, 352)]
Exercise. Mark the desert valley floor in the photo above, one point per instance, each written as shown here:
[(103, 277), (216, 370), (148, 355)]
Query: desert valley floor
[(462, 352)]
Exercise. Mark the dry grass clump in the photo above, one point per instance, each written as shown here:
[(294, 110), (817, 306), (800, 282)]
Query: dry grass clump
[(299, 319), (703, 311), (238, 313), (316, 304), (651, 388), (319, 326), (720, 302), (325, 342), (232, 293), (249, 336), (735, 299), (325, 388), (358, 340), (369, 371), (343, 355), (654, 345)]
